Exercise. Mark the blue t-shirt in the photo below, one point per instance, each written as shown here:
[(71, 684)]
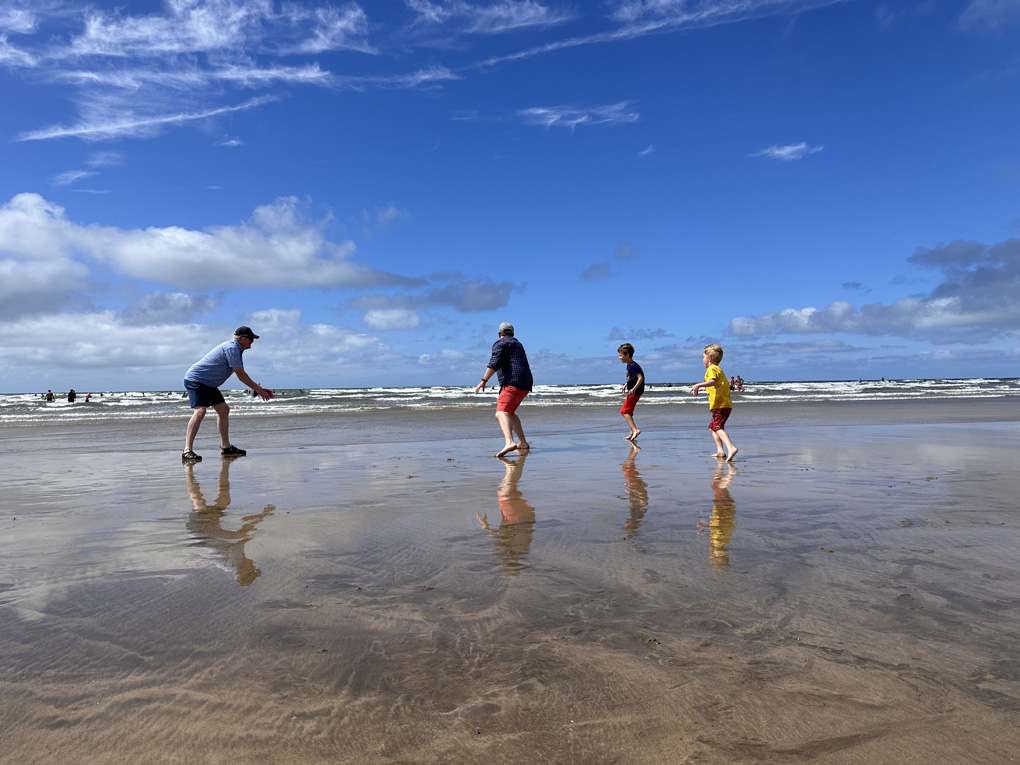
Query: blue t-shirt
[(217, 365), (511, 363), (633, 370)]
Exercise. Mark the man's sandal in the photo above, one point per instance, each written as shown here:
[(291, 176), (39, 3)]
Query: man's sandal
[(190, 456), (232, 451)]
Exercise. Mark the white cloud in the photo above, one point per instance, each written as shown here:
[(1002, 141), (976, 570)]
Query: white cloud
[(17, 20), (106, 126), (572, 116), (391, 318), (71, 176), (277, 247), (99, 159), (788, 152), (645, 152), (990, 15), (490, 19)]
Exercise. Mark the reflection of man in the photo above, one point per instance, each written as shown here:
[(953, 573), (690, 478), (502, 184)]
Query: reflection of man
[(202, 382), (513, 538), (204, 525), (637, 492), (724, 516), (510, 363)]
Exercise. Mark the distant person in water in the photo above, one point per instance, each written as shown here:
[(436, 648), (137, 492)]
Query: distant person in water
[(88, 397), (740, 383), (510, 363), (719, 402), (71, 396), (634, 387), (49, 395), (202, 382)]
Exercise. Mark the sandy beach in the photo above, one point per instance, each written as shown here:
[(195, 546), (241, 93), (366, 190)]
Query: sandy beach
[(378, 588)]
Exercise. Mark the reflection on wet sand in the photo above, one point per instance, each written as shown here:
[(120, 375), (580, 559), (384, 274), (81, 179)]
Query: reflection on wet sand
[(637, 492), (724, 515), (513, 537), (226, 546)]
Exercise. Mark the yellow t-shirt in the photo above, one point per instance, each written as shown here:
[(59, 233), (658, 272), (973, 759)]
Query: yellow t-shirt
[(718, 394)]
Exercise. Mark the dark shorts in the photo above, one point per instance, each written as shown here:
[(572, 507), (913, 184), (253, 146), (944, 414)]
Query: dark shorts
[(201, 394), (509, 399), (628, 404), (719, 417)]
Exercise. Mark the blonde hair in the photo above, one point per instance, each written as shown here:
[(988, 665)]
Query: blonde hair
[(714, 352), (626, 349)]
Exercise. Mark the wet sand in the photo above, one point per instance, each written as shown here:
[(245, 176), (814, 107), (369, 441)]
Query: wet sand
[(379, 589)]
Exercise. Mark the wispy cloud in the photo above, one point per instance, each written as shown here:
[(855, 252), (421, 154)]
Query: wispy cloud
[(789, 152), (492, 19), (572, 116), (990, 15), (640, 18), (72, 176), (104, 129)]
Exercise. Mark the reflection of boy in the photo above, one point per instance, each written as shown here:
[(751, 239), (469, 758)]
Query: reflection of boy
[(723, 519), (719, 402), (634, 387)]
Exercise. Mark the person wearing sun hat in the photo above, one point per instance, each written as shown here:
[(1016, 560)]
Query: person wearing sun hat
[(202, 382)]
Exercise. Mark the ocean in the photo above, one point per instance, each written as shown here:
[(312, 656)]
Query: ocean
[(25, 408)]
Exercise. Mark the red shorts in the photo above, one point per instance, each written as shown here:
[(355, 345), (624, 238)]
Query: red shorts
[(719, 417), (509, 399), (628, 404)]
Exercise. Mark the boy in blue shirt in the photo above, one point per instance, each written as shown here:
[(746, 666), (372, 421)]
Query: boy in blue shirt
[(634, 387)]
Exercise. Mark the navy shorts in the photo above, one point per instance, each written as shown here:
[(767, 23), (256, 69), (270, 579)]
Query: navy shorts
[(201, 394)]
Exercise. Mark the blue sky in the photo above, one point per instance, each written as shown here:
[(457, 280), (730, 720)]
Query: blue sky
[(828, 188)]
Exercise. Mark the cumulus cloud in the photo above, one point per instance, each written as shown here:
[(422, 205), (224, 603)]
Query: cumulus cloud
[(383, 319), (161, 308), (277, 247), (789, 152), (618, 335), (977, 300)]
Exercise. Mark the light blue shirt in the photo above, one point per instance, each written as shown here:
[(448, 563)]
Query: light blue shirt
[(217, 365)]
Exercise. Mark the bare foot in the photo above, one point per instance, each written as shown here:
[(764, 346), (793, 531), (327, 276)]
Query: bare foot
[(634, 435), (732, 454), (507, 449), (719, 454), (523, 446), (629, 438)]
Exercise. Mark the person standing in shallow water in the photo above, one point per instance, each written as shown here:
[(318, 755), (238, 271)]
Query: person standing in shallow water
[(510, 363), (202, 382)]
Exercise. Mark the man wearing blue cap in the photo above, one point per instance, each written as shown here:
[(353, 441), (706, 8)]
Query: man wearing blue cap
[(202, 382)]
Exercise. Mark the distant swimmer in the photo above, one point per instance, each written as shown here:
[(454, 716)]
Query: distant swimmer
[(49, 395), (510, 363), (71, 396), (719, 402), (202, 382), (88, 397)]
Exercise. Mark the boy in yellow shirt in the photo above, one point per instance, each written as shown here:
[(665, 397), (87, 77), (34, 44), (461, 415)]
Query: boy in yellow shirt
[(719, 403)]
